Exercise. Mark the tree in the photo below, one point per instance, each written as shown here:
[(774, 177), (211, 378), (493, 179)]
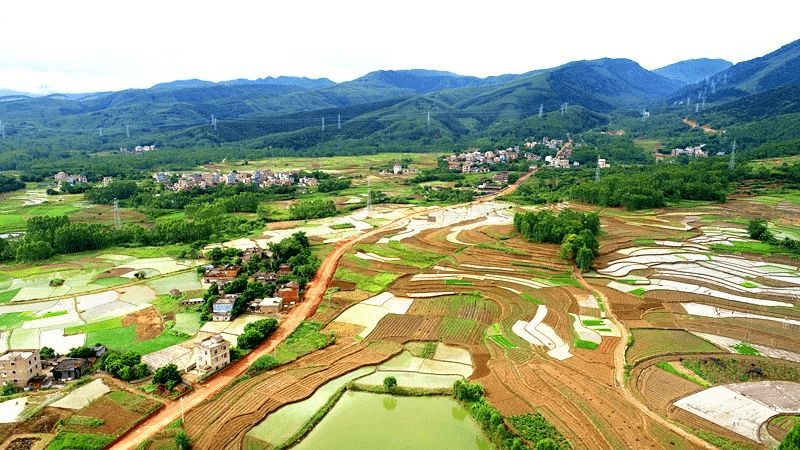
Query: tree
[(389, 383), (546, 444), (164, 375), (47, 353), (792, 439), (182, 440), (8, 388)]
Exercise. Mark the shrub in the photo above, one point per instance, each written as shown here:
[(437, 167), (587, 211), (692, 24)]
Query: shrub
[(390, 383)]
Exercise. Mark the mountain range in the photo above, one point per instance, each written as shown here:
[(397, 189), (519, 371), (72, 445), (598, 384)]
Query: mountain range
[(406, 107)]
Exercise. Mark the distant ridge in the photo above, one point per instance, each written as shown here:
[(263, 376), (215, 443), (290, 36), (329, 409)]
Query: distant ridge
[(693, 70)]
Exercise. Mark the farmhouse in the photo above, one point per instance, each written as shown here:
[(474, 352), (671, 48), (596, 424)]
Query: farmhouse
[(264, 277), (19, 366), (255, 251), (212, 353), (290, 292), (221, 274), (70, 369), (269, 305), (222, 310)]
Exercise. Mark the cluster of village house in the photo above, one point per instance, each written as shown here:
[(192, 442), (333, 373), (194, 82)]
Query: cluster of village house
[(25, 368), (473, 160), (691, 151), (286, 294), (64, 177), (138, 150), (262, 178), (398, 169)]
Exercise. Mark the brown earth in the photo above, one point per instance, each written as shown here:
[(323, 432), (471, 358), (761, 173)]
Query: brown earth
[(148, 323)]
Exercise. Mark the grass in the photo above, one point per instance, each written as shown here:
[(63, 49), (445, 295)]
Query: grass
[(534, 428), (7, 296), (638, 292), (589, 345), (84, 421), (748, 284), (306, 338), (502, 341), (13, 320), (114, 338), (162, 341), (761, 248), (342, 226), (531, 299), (54, 314), (592, 322), (745, 349), (501, 248), (373, 284), (409, 255), (110, 281), (96, 326), (459, 282), (428, 350), (644, 241), (724, 443), (166, 304), (667, 367), (67, 440), (648, 342)]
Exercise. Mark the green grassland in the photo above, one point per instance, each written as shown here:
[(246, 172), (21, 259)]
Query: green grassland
[(667, 367), (409, 255), (373, 284)]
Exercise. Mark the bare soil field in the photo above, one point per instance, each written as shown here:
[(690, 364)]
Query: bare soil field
[(148, 323)]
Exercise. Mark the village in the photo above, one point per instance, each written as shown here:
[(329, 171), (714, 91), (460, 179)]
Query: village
[(202, 180)]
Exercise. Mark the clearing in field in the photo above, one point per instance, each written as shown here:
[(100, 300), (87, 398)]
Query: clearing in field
[(11, 409), (369, 312)]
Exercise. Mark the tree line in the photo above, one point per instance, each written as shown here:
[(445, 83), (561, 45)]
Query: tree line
[(575, 231)]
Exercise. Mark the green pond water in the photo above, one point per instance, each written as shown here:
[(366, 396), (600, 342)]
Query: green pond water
[(368, 421)]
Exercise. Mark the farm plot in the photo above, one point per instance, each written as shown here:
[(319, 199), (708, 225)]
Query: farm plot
[(178, 354), (280, 425), (414, 372), (649, 342), (538, 333), (62, 344), (183, 281), (445, 218), (82, 396), (10, 410), (699, 309), (744, 407), (155, 266), (369, 312), (731, 345)]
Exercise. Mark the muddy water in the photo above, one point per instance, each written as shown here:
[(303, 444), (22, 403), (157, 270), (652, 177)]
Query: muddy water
[(364, 421)]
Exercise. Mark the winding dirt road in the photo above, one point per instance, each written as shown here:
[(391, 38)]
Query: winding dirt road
[(619, 373)]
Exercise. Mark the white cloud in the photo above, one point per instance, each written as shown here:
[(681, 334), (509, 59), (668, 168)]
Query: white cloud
[(93, 45)]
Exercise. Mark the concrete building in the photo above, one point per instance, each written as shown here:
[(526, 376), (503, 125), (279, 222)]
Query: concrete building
[(19, 366), (212, 353), (270, 305), (222, 310)]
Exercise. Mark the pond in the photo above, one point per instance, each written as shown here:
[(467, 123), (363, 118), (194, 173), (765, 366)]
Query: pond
[(363, 420)]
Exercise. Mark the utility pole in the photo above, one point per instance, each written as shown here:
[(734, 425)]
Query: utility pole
[(117, 220), (128, 130), (597, 170)]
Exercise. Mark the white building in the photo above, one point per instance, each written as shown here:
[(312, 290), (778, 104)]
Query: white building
[(19, 366), (212, 353)]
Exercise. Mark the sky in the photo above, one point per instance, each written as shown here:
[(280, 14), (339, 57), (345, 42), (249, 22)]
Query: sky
[(93, 46)]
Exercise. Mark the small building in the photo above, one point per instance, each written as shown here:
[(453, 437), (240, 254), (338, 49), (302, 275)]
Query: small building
[(175, 292), (221, 274), (212, 353), (290, 292), (192, 302), (284, 269), (222, 310), (70, 369), (99, 351), (272, 305), (265, 277), (19, 366), (249, 253)]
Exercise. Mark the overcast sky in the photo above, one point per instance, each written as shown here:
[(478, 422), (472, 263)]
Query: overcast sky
[(89, 46)]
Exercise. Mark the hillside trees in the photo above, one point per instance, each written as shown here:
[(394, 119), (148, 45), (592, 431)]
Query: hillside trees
[(9, 183), (575, 231)]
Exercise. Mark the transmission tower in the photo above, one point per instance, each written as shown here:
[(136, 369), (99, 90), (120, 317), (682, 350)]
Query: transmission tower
[(2, 129), (564, 107), (732, 162), (323, 124), (214, 122), (541, 111), (369, 195), (100, 131), (597, 170), (128, 130), (117, 220), (645, 115), (339, 122), (429, 117)]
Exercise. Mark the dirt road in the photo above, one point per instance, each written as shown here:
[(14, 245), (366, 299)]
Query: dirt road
[(313, 297), (619, 373)]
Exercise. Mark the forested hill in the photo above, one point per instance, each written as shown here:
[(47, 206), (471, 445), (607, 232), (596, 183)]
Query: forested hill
[(401, 110), (693, 70)]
